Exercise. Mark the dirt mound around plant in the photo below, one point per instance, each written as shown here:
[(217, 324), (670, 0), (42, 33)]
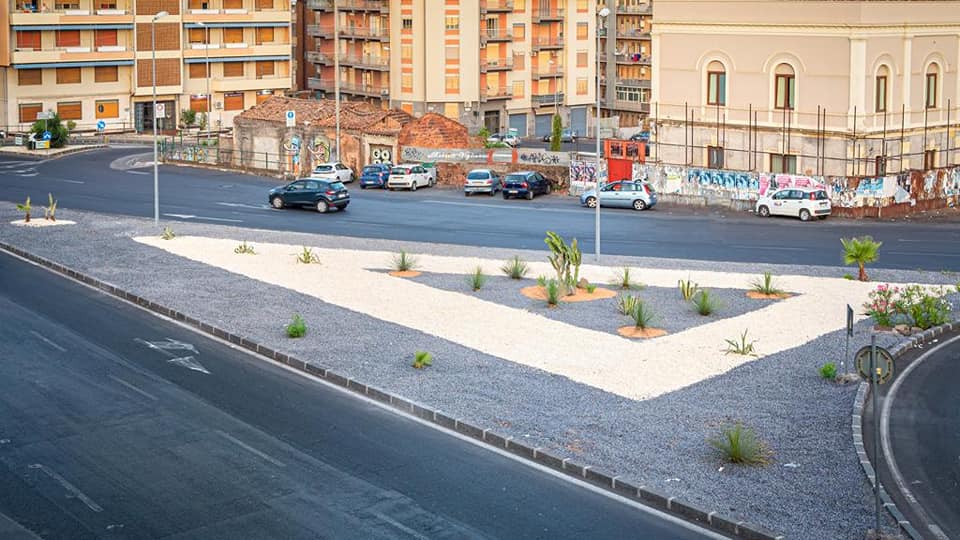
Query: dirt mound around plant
[(582, 295), (405, 273), (756, 295), (640, 333)]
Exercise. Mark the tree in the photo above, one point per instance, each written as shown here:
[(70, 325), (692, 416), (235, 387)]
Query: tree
[(59, 136), (188, 117), (484, 133), (860, 251), (557, 132)]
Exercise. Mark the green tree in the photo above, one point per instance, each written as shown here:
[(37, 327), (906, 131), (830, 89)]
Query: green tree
[(59, 136), (860, 251), (484, 133), (188, 117), (557, 131)]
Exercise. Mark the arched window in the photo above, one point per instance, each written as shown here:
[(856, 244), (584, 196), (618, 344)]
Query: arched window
[(716, 84), (930, 93), (784, 87), (880, 89)]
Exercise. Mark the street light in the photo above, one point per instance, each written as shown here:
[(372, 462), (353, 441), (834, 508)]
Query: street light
[(206, 48), (153, 66), (602, 14), (336, 73), (556, 92)]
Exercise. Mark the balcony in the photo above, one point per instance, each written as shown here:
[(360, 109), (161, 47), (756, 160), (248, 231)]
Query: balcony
[(496, 64), (320, 5), (380, 63), (363, 5), (315, 30), (238, 84), (644, 9), (496, 6), (547, 42), (315, 83), (364, 32), (547, 15), (633, 33), (239, 15), (318, 57), (502, 92), (633, 59), (547, 72), (369, 90), (633, 106), (80, 13), (634, 83), (496, 34), (226, 50), (72, 54), (542, 100)]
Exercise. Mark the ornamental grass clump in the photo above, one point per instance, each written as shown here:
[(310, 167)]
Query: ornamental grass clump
[(50, 212), (307, 256), (705, 303), (739, 444), (167, 234), (422, 359), (687, 289), (477, 279), (624, 280), (402, 262), (642, 315), (741, 346), (516, 268), (627, 303), (26, 207), (766, 285), (244, 248), (553, 292)]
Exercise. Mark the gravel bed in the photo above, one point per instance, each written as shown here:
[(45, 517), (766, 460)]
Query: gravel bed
[(670, 312), (812, 489)]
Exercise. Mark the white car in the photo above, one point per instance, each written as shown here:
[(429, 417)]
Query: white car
[(410, 176), (804, 203), (333, 170), (508, 139)]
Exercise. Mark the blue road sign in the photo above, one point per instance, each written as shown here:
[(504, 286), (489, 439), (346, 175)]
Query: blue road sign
[(101, 125), (46, 136)]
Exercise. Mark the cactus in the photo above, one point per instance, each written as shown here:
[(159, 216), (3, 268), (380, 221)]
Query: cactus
[(564, 257)]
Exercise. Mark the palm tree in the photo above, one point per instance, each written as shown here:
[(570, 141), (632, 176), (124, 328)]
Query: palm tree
[(860, 250)]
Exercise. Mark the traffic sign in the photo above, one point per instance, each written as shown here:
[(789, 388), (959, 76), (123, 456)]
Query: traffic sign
[(101, 125), (46, 136), (291, 118), (883, 365), (44, 115), (161, 111)]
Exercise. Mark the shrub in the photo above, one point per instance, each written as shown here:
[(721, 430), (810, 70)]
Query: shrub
[(71, 125), (422, 359), (705, 303), (741, 346), (883, 305), (591, 287), (556, 133), (477, 279), (848, 276), (860, 251), (642, 315), (542, 280), (624, 280), (297, 328), (244, 248), (484, 133), (188, 117), (516, 268), (553, 292), (307, 256), (26, 207), (687, 289), (59, 136), (738, 444), (167, 233), (50, 212), (766, 285), (402, 262), (627, 303), (828, 371), (925, 310)]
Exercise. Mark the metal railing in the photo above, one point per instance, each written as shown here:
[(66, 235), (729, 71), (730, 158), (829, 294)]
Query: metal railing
[(547, 41), (496, 5), (363, 31), (548, 99), (643, 9), (552, 13), (497, 34), (493, 64), (501, 92), (365, 61)]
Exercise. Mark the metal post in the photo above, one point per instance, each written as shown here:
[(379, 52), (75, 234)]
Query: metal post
[(903, 122), (156, 173), (947, 161), (750, 136), (855, 170), (336, 74), (875, 390), (686, 140), (602, 14), (209, 96), (923, 148), (818, 139)]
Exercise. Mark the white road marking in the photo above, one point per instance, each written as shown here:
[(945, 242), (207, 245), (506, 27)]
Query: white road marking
[(251, 449), (244, 205), (68, 181), (47, 341), (137, 172), (401, 526), (68, 486), (169, 345), (191, 216), (190, 363), (134, 388), (500, 206)]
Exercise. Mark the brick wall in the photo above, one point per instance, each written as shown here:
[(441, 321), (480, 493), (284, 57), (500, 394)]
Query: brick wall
[(168, 37), (151, 7), (168, 72)]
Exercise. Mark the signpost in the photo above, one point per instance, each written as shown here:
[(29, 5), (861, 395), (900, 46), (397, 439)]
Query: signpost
[(101, 125), (876, 364), (291, 118), (846, 350), (160, 112)]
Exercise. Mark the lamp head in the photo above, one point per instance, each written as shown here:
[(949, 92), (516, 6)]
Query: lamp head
[(160, 14), (604, 12)]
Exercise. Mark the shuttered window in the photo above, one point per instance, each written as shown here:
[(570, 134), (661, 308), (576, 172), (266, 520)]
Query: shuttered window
[(198, 4), (264, 35), (106, 74), (197, 35), (28, 112), (263, 97), (29, 77), (198, 104), (198, 71), (28, 40), (68, 38), (264, 4), (108, 108), (264, 69), (105, 38), (70, 75), (233, 69), (233, 35), (232, 4), (69, 110), (233, 102)]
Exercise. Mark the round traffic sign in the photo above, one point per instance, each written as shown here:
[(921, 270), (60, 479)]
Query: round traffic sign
[(46, 136), (101, 125), (884, 364)]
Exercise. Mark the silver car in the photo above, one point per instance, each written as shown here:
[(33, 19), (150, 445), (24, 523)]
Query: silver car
[(482, 181), (637, 194)]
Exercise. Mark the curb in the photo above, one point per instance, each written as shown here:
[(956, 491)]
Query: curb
[(711, 520), (67, 152), (857, 424)]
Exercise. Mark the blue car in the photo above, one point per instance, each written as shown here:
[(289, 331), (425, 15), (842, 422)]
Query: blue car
[(375, 175)]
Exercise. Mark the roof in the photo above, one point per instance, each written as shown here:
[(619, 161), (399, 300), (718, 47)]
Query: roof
[(354, 115), (437, 131)]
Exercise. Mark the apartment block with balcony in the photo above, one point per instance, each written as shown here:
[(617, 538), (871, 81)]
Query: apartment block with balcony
[(93, 61), (625, 60)]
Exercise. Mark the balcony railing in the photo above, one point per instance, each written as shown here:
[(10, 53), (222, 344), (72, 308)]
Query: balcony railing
[(315, 83), (634, 106), (71, 8), (496, 64), (548, 42), (547, 72), (318, 57), (496, 34), (364, 32), (633, 59), (363, 5), (551, 14), (320, 5), (316, 30), (633, 33), (501, 92), (634, 83), (548, 99), (369, 62), (372, 90), (494, 6), (643, 9)]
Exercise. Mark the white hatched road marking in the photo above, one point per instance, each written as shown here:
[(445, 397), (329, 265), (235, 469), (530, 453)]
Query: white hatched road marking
[(251, 449)]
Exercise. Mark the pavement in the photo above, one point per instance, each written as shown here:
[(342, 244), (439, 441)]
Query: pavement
[(88, 182), (115, 423)]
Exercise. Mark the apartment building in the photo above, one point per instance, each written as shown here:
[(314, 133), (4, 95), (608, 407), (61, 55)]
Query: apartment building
[(810, 87), (92, 60), (625, 60), (493, 63)]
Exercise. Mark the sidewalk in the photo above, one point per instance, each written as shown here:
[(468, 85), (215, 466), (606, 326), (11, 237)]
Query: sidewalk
[(26, 153)]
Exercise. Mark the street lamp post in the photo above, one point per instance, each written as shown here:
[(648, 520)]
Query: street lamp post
[(336, 74), (153, 66), (206, 48), (601, 15), (556, 93)]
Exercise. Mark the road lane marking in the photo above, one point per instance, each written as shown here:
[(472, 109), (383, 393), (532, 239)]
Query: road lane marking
[(245, 205), (137, 172), (499, 206), (925, 254), (190, 363), (250, 449), (47, 341), (400, 526), (68, 486), (134, 388), (191, 216)]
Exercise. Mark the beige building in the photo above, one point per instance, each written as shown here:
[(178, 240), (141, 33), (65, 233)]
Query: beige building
[(493, 63), (819, 87), (92, 61), (625, 61)]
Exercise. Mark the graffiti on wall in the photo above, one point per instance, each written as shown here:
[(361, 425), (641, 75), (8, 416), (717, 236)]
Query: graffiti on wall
[(485, 155), (583, 175)]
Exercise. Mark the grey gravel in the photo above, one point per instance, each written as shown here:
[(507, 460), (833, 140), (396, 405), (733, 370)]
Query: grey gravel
[(659, 443)]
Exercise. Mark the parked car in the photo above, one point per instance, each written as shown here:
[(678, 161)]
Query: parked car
[(804, 203), (375, 175), (317, 193), (410, 176), (482, 181), (643, 136), (508, 139), (334, 170), (525, 184), (638, 195), (566, 135)]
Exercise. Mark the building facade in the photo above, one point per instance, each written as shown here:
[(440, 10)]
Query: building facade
[(92, 61), (809, 87), (625, 61)]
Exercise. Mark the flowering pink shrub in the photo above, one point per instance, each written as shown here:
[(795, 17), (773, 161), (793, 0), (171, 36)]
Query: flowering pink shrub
[(884, 305)]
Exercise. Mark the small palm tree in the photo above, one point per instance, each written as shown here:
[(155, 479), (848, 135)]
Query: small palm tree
[(860, 251)]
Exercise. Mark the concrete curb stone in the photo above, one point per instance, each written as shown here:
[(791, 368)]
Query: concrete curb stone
[(669, 505)]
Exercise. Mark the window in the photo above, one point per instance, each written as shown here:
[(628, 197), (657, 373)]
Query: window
[(880, 166), (69, 110), (28, 40), (233, 35), (197, 35), (105, 38), (264, 4), (582, 59), (232, 4), (265, 35), (583, 30), (198, 71), (931, 86), (406, 82), (263, 96), (28, 111), (108, 108), (106, 74), (929, 159), (582, 85), (198, 103), (784, 88), (70, 75), (264, 68), (407, 24), (518, 89), (29, 77), (519, 32), (68, 38), (406, 52), (783, 163), (880, 90), (716, 84), (452, 22), (452, 83), (715, 157), (453, 52), (233, 69), (582, 6), (519, 5)]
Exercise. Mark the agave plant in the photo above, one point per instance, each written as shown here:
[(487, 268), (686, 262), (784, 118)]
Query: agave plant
[(50, 212), (25, 208), (422, 359)]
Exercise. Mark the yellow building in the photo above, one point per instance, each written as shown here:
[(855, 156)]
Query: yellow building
[(92, 61)]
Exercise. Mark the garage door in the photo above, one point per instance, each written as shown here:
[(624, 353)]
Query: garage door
[(578, 121), (519, 123), (544, 124)]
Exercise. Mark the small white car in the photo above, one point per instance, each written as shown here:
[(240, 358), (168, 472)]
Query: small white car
[(410, 176), (333, 171), (508, 139), (804, 203)]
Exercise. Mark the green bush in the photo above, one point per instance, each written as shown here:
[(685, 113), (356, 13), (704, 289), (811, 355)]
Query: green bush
[(627, 303), (516, 268), (553, 292), (556, 133), (422, 359), (705, 303), (188, 117), (59, 136), (402, 262), (297, 328), (828, 371), (591, 287), (477, 279), (738, 444), (766, 285), (925, 310), (642, 315)]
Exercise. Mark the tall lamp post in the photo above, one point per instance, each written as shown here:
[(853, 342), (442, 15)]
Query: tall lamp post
[(601, 16), (206, 49), (336, 74), (153, 67), (556, 92)]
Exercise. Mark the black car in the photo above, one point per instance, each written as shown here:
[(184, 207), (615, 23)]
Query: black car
[(316, 193), (525, 184)]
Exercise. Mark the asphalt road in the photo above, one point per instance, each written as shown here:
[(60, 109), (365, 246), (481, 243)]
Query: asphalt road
[(87, 182), (118, 424)]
